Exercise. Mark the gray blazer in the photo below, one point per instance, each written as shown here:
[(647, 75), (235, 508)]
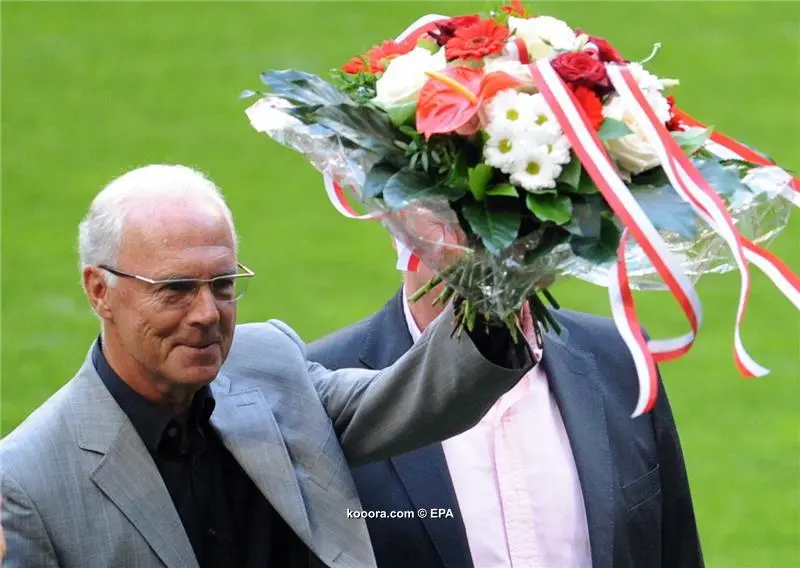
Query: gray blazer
[(79, 489)]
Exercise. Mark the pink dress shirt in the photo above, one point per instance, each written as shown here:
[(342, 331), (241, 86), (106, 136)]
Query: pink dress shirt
[(516, 482)]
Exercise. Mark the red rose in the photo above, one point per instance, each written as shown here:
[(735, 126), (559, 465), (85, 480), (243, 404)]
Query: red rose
[(591, 104), (446, 30), (581, 69), (606, 51)]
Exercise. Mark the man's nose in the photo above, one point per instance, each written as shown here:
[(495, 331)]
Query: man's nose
[(204, 309)]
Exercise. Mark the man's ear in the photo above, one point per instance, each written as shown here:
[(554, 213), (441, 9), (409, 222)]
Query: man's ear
[(97, 289)]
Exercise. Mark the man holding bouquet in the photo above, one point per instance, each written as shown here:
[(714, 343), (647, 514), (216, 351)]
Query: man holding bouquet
[(557, 474)]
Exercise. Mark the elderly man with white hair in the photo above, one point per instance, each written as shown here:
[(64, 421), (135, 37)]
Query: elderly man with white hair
[(185, 440)]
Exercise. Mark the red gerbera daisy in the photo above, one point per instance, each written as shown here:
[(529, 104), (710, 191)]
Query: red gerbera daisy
[(377, 58), (515, 9), (591, 104), (445, 30), (477, 41)]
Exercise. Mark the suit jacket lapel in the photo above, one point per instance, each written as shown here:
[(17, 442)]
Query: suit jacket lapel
[(573, 379), (387, 336), (427, 481), (248, 428), (127, 474), (424, 472)]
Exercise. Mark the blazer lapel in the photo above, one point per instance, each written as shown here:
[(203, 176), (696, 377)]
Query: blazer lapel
[(427, 481), (573, 379), (424, 472), (387, 337), (248, 428), (127, 474)]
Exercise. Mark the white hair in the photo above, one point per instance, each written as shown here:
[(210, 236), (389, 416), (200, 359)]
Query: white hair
[(101, 230)]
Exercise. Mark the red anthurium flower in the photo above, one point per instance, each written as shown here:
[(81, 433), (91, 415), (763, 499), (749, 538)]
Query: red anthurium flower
[(477, 41), (451, 99), (515, 9)]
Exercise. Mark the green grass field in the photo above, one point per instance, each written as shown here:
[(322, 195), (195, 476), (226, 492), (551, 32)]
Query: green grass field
[(90, 90)]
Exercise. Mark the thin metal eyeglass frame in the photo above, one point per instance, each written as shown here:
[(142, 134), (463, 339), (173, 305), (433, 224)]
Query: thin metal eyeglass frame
[(122, 274)]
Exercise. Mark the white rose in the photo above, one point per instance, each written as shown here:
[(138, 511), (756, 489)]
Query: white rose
[(633, 152), (405, 76), (543, 35), (511, 66)]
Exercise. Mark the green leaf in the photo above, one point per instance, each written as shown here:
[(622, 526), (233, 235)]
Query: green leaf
[(496, 227), (600, 249), (376, 180), (692, 140), (586, 185), (504, 190), (459, 172), (303, 88), (571, 174), (549, 207), (612, 129), (366, 127), (425, 43), (401, 115), (407, 186), (586, 215), (479, 177)]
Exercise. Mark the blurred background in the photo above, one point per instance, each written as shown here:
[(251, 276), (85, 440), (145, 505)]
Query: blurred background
[(91, 90)]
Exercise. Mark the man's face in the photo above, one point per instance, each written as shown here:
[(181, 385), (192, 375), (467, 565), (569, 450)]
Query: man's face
[(174, 344)]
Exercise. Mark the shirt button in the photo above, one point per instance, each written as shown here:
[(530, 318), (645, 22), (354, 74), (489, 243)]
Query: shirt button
[(172, 431), (211, 532)]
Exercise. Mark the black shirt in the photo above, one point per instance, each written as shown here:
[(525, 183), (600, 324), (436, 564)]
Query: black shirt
[(228, 521)]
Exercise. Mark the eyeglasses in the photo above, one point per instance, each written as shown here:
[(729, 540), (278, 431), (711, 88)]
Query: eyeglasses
[(180, 292)]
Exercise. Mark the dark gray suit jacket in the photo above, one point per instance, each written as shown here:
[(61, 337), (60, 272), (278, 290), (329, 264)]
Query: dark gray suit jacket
[(632, 473)]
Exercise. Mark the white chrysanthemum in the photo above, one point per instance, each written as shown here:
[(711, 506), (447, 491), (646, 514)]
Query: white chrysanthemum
[(560, 150), (539, 120), (508, 65), (535, 169), (504, 148), (507, 110)]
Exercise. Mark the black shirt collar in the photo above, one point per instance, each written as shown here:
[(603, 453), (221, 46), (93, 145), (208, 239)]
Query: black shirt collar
[(150, 420)]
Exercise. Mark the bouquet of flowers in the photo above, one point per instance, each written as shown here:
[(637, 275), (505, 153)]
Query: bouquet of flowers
[(537, 151)]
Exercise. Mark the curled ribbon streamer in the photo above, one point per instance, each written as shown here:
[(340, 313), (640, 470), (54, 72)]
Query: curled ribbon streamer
[(598, 165), (696, 190), (624, 312), (335, 193), (407, 259)]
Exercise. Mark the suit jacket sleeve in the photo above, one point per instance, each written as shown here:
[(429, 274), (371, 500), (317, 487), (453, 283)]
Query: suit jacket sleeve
[(27, 541), (438, 389), (680, 540)]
